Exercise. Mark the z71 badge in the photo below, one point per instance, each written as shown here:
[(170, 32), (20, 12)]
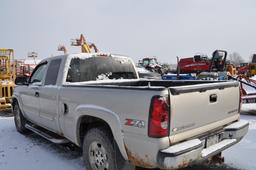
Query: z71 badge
[(135, 123)]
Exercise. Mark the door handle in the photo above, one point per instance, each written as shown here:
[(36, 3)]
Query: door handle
[(37, 94), (65, 108), (213, 98)]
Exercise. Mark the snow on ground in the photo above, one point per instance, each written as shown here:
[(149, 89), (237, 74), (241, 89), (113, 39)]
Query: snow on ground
[(32, 152), (249, 108), (242, 155)]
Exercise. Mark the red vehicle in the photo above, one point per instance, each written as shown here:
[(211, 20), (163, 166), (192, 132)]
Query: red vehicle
[(200, 63), (25, 67), (243, 68), (194, 64)]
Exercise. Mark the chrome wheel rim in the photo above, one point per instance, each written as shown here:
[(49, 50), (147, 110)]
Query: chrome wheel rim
[(98, 156)]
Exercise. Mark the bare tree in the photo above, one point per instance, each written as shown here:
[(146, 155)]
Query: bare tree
[(235, 58)]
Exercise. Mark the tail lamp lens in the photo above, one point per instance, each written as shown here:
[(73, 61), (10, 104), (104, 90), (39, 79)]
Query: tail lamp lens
[(159, 117)]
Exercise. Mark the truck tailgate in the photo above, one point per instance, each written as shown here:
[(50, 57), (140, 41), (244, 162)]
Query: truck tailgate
[(201, 108)]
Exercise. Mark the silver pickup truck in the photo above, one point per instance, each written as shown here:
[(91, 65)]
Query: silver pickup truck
[(97, 102)]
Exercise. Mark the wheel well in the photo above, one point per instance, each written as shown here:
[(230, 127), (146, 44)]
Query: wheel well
[(88, 122)]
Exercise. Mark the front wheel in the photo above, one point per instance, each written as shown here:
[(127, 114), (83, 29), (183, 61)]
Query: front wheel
[(19, 119), (101, 153)]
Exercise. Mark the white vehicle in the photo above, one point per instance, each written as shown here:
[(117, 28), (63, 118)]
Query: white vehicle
[(97, 102)]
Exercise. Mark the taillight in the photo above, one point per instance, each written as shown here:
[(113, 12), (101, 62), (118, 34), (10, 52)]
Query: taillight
[(159, 117)]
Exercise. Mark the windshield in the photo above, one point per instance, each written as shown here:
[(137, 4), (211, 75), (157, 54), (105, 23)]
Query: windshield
[(153, 61), (149, 61), (100, 68)]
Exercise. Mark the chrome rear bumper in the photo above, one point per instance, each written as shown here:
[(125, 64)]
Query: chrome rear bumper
[(185, 153)]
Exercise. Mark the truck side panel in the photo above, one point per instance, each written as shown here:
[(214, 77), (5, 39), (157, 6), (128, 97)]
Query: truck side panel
[(115, 106)]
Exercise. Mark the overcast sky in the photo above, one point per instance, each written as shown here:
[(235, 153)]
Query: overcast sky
[(137, 28)]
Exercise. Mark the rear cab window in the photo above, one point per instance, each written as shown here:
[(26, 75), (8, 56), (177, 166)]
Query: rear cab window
[(52, 72), (99, 68)]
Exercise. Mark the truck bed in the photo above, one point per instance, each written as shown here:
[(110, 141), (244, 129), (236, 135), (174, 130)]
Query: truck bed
[(160, 84), (193, 104)]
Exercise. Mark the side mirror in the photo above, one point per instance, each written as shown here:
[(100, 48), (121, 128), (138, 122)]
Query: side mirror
[(22, 80)]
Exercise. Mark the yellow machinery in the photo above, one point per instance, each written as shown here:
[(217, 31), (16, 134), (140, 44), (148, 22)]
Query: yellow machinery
[(63, 48), (252, 69), (7, 77), (85, 46), (231, 69)]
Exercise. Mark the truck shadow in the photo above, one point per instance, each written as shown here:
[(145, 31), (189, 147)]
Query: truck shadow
[(67, 151)]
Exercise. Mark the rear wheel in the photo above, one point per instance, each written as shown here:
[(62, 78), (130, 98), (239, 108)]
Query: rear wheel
[(19, 119), (101, 153)]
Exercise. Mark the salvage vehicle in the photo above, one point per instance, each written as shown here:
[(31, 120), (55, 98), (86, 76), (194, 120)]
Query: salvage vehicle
[(146, 74), (97, 102), (201, 63)]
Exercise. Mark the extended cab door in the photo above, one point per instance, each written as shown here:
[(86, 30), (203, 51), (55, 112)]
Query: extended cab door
[(49, 97), (30, 93)]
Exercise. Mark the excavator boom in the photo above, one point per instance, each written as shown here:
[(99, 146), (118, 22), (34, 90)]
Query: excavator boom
[(85, 46)]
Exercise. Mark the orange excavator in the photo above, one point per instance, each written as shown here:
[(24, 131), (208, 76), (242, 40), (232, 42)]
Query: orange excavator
[(86, 47), (63, 48)]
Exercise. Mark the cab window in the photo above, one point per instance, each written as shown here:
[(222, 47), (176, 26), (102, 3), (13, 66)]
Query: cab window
[(100, 68), (39, 74), (52, 72)]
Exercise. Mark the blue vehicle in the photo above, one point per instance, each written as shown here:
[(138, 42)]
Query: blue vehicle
[(170, 76)]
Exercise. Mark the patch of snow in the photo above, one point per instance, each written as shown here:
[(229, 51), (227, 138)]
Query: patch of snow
[(249, 96), (242, 155), (248, 89), (122, 60), (252, 121), (32, 152), (252, 124), (253, 77), (103, 76), (142, 70), (248, 107), (32, 61)]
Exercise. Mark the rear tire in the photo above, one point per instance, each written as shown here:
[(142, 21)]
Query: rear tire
[(101, 153), (19, 119)]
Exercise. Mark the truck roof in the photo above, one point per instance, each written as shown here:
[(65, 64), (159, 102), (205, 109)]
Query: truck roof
[(85, 55)]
